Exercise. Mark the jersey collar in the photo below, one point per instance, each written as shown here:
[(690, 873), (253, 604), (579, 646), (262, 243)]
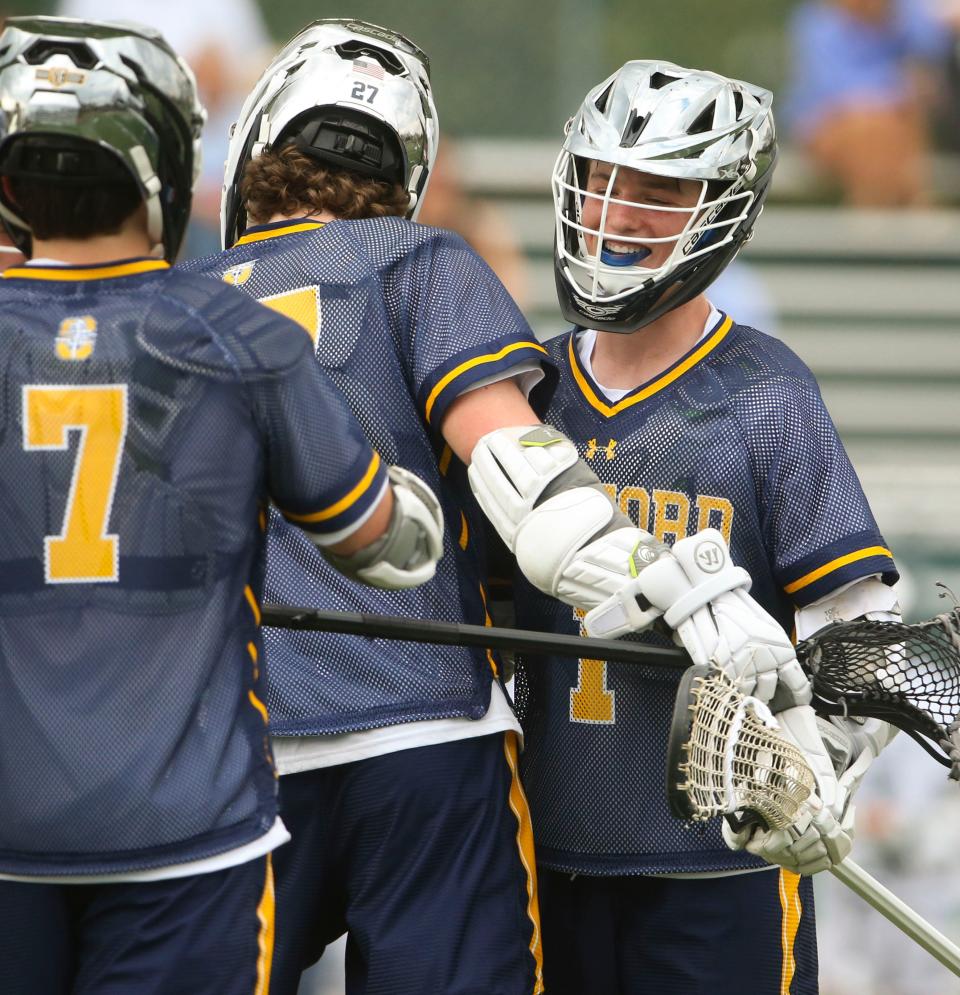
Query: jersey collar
[(288, 226), (594, 396), (99, 271)]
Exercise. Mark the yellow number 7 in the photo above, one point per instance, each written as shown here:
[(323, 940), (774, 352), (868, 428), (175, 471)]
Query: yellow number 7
[(83, 552)]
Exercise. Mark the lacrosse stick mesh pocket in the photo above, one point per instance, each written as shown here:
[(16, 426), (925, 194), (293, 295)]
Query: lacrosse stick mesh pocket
[(908, 675), (727, 755)]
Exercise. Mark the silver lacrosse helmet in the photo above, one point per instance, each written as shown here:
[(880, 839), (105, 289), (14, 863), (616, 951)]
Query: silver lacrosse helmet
[(351, 95), (71, 90), (662, 120)]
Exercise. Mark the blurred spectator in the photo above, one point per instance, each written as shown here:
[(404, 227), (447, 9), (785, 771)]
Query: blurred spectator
[(864, 77), (448, 205), (949, 124), (227, 45)]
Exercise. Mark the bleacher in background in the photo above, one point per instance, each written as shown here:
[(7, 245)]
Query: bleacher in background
[(870, 300)]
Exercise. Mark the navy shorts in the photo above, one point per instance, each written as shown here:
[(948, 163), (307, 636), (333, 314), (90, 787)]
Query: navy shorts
[(748, 934), (424, 858), (209, 934)]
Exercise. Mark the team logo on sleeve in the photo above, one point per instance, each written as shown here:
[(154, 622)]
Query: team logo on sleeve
[(77, 337), (239, 274)]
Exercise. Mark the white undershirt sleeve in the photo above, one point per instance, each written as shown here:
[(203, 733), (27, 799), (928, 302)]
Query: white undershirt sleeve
[(866, 597)]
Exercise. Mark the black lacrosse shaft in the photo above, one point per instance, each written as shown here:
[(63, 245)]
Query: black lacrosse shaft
[(460, 634)]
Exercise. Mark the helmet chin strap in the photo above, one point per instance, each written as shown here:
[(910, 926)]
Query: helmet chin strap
[(152, 186)]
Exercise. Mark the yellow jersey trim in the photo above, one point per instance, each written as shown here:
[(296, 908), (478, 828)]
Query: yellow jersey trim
[(260, 707), (792, 910), (252, 601), (521, 811), (69, 274), (841, 561), (345, 502), (657, 385), (266, 915), (261, 236), (470, 364)]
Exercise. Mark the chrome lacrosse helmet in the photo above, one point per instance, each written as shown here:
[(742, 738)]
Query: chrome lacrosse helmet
[(69, 88), (351, 95), (683, 124)]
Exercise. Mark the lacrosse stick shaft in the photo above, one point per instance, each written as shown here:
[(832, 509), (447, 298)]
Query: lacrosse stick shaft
[(461, 634), (899, 913)]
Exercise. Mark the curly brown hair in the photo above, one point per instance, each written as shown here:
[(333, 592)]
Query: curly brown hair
[(285, 181)]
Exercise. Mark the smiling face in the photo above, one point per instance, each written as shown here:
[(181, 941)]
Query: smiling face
[(659, 207)]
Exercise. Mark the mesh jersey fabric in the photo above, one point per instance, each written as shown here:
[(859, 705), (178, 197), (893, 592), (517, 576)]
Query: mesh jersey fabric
[(734, 436), (147, 416), (405, 318)]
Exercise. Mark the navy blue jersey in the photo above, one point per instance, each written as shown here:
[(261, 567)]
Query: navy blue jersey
[(734, 436), (148, 416), (405, 318)]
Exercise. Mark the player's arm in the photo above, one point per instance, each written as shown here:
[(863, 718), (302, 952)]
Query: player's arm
[(568, 537), (379, 525), (399, 545)]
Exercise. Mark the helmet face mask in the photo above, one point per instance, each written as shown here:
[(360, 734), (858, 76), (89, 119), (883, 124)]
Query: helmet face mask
[(118, 88), (352, 96), (660, 179)]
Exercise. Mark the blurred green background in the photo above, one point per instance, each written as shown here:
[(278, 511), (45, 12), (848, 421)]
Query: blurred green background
[(510, 69)]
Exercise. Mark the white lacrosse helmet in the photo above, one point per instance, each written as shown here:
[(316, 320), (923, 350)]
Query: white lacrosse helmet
[(661, 119), (349, 94), (71, 90)]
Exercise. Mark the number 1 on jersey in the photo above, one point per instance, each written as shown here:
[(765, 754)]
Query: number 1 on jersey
[(591, 700), (84, 551)]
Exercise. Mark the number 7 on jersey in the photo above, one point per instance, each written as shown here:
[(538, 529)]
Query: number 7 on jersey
[(83, 552)]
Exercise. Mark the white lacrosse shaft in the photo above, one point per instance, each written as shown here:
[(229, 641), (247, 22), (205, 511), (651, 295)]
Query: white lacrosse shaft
[(899, 913)]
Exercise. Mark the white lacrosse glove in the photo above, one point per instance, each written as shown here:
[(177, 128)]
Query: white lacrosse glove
[(814, 843), (853, 744), (822, 834), (703, 596)]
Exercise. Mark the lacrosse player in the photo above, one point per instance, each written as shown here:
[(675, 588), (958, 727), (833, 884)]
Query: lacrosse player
[(399, 762), (150, 415), (693, 423)]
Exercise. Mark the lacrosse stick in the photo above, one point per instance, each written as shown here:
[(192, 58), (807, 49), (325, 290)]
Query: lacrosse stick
[(417, 630), (727, 757), (907, 675)]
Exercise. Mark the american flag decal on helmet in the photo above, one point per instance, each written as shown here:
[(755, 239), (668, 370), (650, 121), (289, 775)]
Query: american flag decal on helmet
[(368, 67)]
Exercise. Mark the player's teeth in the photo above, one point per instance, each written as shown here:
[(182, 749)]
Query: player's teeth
[(618, 254)]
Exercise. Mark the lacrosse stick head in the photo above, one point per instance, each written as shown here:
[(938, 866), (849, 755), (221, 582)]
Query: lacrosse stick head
[(726, 756), (907, 675)]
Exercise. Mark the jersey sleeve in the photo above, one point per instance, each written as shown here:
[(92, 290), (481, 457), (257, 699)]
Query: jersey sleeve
[(464, 328), (820, 531), (322, 474)]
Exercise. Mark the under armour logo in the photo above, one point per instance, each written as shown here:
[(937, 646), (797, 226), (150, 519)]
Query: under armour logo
[(609, 450)]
